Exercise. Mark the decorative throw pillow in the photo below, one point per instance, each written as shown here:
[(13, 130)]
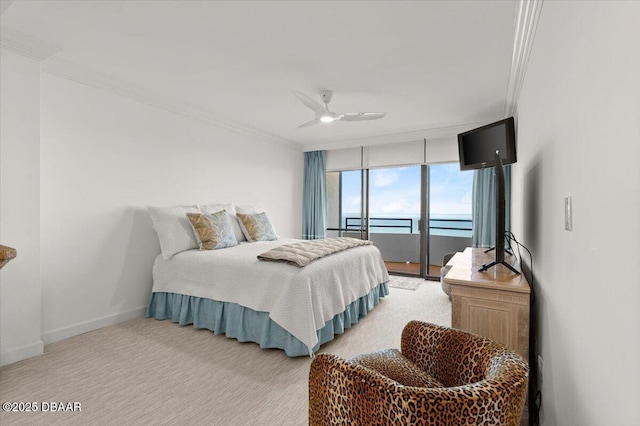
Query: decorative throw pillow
[(250, 209), (256, 227), (231, 210), (213, 231), (173, 229)]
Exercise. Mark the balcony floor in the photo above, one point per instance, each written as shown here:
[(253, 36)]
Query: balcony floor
[(411, 268)]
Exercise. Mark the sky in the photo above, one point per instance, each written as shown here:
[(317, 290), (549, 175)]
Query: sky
[(396, 191)]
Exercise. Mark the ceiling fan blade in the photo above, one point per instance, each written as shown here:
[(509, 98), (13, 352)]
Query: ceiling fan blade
[(310, 103), (309, 123), (361, 116)]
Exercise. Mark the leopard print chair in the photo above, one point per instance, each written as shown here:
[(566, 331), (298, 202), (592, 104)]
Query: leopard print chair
[(441, 376)]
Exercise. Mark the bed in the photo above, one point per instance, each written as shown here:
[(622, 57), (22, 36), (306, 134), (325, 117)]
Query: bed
[(276, 305)]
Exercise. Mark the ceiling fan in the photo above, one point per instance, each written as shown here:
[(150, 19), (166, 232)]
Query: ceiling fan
[(325, 116)]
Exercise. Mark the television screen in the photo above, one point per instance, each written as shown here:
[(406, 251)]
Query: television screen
[(477, 147)]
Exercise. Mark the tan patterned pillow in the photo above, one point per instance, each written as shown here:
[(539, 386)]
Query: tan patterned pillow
[(213, 231), (256, 227)]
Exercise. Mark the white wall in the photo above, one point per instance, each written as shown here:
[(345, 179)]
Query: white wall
[(79, 167), (578, 130), (104, 159), (20, 288)]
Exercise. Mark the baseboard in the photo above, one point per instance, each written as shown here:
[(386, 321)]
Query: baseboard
[(25, 352), (85, 327)]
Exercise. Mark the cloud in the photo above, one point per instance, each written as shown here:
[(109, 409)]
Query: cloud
[(396, 192), (395, 203), (351, 205), (449, 207), (383, 178)]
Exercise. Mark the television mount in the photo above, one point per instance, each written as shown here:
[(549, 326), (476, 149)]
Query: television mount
[(486, 266), (499, 248)]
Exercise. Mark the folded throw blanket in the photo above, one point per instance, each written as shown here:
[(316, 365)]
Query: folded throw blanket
[(304, 252)]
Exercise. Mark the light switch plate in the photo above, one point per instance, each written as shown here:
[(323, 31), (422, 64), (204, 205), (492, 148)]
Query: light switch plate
[(568, 220)]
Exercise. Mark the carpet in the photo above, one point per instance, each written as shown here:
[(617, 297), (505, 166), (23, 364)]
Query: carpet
[(405, 283), (150, 372)]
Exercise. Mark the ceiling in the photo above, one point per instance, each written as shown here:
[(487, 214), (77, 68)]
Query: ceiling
[(435, 67)]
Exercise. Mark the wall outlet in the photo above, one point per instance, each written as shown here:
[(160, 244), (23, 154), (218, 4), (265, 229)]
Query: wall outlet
[(568, 220), (540, 370)]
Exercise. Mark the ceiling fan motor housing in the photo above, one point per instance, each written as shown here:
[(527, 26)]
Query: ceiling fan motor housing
[(326, 96)]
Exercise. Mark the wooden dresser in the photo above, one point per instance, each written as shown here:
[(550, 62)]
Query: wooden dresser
[(494, 304)]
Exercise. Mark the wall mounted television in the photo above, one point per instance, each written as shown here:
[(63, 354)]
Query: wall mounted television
[(477, 147)]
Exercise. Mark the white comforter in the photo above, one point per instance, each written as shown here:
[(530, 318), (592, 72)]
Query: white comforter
[(300, 300)]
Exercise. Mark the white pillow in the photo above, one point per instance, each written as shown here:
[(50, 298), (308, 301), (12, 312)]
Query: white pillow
[(231, 210), (216, 207), (174, 229), (250, 209)]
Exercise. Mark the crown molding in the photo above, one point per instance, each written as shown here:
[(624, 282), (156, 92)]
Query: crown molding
[(526, 22), (4, 5), (80, 74), (413, 135), (26, 45), (40, 51)]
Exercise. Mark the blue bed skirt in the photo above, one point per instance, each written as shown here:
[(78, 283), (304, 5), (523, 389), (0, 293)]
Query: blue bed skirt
[(247, 325)]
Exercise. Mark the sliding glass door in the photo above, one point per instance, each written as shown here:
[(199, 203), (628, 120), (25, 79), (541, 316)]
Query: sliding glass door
[(389, 205), (394, 217), (346, 204), (449, 214)]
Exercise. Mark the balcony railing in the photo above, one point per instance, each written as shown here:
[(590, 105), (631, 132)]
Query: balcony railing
[(405, 225), (399, 238), (462, 224)]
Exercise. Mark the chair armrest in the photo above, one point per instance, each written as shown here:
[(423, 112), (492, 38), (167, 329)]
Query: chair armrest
[(340, 392), (346, 393)]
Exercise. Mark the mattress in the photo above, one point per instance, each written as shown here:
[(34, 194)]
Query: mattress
[(300, 300)]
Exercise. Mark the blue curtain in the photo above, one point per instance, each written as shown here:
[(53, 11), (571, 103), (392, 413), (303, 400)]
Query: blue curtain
[(484, 206), (314, 197)]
